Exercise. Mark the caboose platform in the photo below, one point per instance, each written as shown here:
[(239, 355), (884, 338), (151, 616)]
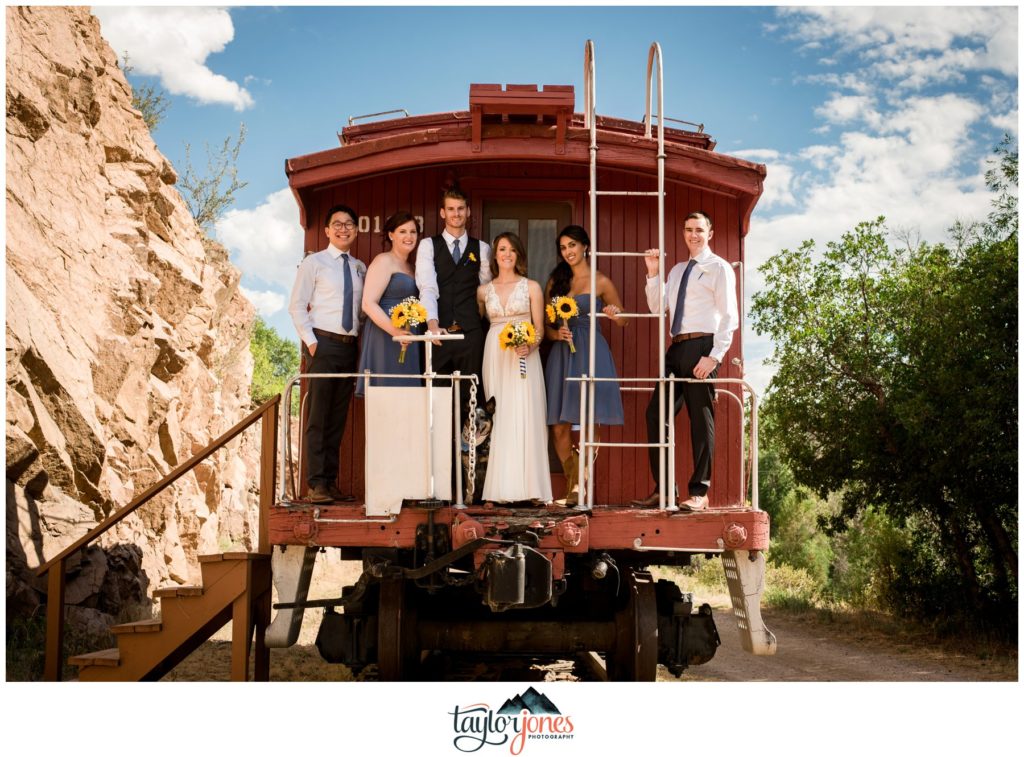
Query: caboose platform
[(607, 527)]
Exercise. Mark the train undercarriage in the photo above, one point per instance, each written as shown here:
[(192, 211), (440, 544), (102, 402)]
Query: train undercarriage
[(519, 582)]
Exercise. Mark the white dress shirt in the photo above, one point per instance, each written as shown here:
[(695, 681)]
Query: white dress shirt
[(710, 305), (426, 273), (319, 292)]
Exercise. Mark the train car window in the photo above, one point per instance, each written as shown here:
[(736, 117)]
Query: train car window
[(541, 222)]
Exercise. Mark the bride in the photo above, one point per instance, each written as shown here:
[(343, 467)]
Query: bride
[(518, 466)]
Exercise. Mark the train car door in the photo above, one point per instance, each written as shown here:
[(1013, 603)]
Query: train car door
[(536, 223)]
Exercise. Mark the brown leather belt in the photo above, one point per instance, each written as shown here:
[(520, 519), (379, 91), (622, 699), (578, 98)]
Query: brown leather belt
[(454, 328), (331, 336), (686, 337)]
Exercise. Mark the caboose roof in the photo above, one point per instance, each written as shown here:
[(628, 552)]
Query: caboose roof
[(522, 123)]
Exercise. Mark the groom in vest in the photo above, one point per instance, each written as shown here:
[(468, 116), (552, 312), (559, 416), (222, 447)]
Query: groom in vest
[(449, 268)]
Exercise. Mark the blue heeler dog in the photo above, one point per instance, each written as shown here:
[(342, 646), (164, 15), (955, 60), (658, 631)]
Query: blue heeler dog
[(483, 420)]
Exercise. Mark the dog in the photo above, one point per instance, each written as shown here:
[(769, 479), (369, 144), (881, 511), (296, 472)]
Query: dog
[(483, 421)]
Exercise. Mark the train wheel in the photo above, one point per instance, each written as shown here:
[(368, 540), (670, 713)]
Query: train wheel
[(398, 652), (635, 657)]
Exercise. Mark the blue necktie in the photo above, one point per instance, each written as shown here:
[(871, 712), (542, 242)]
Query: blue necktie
[(346, 313), (455, 252), (677, 319)]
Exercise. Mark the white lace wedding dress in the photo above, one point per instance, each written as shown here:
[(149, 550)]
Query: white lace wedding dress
[(518, 465)]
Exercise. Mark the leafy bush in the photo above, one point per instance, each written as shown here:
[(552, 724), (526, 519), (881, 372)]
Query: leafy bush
[(795, 536), (790, 588)]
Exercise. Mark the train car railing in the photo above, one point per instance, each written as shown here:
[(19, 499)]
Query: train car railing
[(668, 497), (289, 464)]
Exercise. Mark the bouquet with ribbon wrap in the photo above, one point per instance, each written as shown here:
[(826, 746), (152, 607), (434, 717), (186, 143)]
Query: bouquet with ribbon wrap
[(518, 334)]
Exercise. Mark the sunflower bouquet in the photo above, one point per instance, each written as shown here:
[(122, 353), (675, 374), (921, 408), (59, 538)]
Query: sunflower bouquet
[(408, 313), (518, 334), (563, 308)]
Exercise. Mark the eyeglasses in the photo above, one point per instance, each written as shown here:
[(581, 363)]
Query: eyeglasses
[(346, 225)]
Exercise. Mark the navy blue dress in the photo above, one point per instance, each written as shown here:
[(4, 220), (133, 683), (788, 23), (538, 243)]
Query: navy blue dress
[(379, 354), (564, 396)]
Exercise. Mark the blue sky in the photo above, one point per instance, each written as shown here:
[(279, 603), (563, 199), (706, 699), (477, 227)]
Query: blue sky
[(856, 111)]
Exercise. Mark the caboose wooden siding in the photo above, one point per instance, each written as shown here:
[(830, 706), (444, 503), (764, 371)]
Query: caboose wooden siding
[(405, 164)]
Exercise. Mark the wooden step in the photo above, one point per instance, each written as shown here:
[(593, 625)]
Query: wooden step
[(188, 616), (217, 567), (178, 591), (107, 658), (254, 556), (152, 625)]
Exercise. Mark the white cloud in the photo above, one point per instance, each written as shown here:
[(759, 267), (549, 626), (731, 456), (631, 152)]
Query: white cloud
[(1008, 123), (846, 109), (756, 156), (174, 43), (267, 302), (265, 241), (896, 42)]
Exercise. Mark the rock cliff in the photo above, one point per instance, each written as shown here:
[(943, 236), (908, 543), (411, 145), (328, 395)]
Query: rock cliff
[(127, 336)]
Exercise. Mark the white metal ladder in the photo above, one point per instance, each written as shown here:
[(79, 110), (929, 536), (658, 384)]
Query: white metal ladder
[(587, 389)]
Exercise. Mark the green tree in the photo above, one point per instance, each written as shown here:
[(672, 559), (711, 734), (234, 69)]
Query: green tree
[(275, 361), (896, 385), (149, 100), (209, 195), (796, 539)]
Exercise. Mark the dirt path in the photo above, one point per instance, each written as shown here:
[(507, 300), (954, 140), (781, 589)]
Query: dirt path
[(816, 652), (809, 650)]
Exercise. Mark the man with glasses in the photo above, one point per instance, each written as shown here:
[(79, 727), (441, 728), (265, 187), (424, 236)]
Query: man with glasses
[(326, 309)]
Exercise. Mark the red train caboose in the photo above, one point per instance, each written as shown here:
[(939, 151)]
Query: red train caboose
[(552, 580)]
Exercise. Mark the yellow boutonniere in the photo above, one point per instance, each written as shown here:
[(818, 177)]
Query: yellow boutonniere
[(472, 257)]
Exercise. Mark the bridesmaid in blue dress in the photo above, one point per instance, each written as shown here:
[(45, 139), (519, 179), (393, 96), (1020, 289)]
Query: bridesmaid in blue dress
[(389, 280), (572, 277)]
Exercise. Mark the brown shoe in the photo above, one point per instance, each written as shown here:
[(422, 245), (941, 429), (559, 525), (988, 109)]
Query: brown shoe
[(651, 500), (695, 504), (319, 493)]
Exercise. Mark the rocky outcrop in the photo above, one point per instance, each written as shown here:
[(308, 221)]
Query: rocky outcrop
[(127, 336)]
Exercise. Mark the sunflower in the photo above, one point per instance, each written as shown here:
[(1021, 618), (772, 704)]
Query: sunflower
[(566, 307), (507, 337), (530, 331), (549, 310), (398, 317)]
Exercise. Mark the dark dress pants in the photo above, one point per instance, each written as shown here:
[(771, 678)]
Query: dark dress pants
[(681, 359), (466, 356), (328, 408)]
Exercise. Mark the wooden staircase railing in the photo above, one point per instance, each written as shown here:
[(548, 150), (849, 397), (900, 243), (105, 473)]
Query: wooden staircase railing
[(268, 413)]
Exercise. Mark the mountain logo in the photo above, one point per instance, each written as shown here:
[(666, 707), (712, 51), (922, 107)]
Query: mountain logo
[(529, 716)]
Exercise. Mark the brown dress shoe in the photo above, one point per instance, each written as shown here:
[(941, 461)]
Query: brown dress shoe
[(319, 493), (652, 499)]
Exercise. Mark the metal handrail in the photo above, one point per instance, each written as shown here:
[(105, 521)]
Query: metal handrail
[(353, 119), (287, 466), (672, 380), (700, 127), (56, 565)]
